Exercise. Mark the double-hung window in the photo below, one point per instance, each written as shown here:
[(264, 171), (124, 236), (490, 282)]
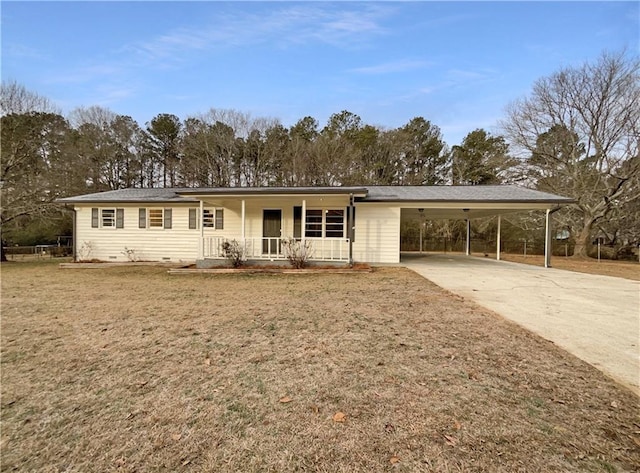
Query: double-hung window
[(155, 218), (334, 223), (211, 218), (208, 218), (107, 218), (313, 223), (324, 223)]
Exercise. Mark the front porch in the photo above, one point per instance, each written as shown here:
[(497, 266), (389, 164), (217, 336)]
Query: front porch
[(333, 250)]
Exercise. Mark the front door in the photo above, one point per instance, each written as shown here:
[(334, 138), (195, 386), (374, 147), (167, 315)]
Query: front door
[(271, 231)]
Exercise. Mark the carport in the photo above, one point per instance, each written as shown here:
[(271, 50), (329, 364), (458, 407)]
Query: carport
[(419, 203)]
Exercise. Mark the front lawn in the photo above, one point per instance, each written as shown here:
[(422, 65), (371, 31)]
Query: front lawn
[(130, 369)]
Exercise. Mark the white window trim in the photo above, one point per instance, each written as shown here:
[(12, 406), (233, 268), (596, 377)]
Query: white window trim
[(101, 217)]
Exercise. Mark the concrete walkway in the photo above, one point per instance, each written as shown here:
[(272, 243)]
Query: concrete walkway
[(597, 318)]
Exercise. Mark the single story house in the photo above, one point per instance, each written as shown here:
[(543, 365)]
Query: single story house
[(338, 224)]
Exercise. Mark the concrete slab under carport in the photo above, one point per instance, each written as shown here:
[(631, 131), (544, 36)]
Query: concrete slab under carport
[(597, 318)]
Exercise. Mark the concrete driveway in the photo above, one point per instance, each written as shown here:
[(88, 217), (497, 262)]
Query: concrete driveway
[(597, 318)]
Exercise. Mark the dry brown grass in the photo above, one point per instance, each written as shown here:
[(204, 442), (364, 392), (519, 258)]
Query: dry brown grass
[(130, 369), (620, 269)]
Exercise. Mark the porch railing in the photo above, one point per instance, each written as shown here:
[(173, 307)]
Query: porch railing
[(319, 249)]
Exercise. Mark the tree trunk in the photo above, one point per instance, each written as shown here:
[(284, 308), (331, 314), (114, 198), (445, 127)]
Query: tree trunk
[(3, 255), (583, 241)]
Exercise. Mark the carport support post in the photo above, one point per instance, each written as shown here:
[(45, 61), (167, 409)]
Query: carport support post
[(200, 222), (498, 240), (468, 244), (350, 230), (547, 240)]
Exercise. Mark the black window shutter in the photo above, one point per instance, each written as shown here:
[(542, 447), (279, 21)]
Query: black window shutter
[(167, 218), (193, 218), (297, 222), (119, 218), (219, 219), (94, 218), (142, 218)]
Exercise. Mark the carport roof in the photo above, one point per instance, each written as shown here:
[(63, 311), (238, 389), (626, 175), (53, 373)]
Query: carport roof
[(454, 194)]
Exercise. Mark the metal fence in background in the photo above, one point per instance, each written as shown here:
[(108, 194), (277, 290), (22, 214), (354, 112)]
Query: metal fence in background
[(19, 253), (448, 245)]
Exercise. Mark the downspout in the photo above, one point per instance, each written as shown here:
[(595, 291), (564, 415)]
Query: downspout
[(547, 237), (74, 234)]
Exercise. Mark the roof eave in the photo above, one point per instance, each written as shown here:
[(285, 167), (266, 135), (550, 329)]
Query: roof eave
[(249, 192), (476, 201), (127, 201)]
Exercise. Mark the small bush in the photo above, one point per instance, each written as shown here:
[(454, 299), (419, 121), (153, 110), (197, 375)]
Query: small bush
[(130, 253), (84, 252), (297, 252), (233, 251)]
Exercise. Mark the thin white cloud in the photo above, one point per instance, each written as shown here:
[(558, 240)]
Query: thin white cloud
[(86, 74), (392, 67), (21, 51), (344, 26), (461, 75)]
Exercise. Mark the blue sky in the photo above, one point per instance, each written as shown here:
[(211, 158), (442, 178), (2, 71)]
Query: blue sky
[(457, 64)]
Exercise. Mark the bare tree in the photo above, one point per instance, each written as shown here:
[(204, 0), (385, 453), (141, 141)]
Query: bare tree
[(580, 128), (15, 98)]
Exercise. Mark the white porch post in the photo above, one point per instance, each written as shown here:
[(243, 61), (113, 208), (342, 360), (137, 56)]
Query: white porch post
[(242, 229), (468, 245), (547, 240), (242, 216), (498, 239), (199, 220), (303, 219)]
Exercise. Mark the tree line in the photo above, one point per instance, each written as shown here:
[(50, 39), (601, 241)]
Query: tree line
[(576, 135)]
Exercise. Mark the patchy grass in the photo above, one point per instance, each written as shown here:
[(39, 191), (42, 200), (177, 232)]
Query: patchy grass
[(619, 269), (130, 369)]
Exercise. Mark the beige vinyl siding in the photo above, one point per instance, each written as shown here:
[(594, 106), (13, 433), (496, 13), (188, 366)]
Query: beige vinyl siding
[(377, 234), (178, 243)]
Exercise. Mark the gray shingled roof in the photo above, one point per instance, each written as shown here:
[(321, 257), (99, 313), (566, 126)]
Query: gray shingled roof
[(131, 195), (344, 190), (374, 194), (461, 194)]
